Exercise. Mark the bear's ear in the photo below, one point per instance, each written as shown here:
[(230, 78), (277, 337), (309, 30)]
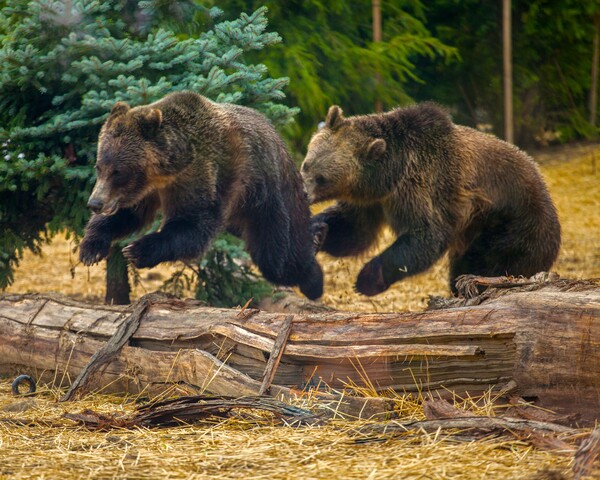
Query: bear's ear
[(376, 149), (335, 117), (150, 121), (118, 109)]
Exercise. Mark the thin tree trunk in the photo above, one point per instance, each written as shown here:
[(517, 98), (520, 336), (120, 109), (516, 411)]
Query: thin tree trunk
[(376, 5), (507, 71), (117, 280), (594, 87)]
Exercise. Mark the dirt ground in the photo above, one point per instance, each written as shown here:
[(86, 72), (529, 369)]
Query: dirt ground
[(572, 174)]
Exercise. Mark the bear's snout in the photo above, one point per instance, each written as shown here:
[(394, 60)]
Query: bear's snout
[(95, 205), (309, 190)]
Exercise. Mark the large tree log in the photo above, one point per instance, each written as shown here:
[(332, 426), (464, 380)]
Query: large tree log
[(545, 337)]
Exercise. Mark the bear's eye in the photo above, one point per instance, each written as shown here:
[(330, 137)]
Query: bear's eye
[(116, 173), (320, 180)]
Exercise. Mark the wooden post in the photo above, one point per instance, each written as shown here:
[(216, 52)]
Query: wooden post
[(507, 72)]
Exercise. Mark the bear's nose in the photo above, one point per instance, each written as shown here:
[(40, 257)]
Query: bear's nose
[(95, 205)]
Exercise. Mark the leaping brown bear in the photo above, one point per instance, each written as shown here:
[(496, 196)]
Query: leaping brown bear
[(207, 167), (439, 186)]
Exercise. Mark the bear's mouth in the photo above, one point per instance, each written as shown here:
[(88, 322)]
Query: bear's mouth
[(309, 191), (110, 208), (314, 197)]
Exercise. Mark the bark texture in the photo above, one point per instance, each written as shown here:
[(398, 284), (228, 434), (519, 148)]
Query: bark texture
[(545, 337)]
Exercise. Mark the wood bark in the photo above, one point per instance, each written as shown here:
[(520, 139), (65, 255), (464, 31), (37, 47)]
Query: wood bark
[(117, 279), (546, 338)]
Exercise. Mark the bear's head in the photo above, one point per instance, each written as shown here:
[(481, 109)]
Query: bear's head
[(127, 159), (342, 160)]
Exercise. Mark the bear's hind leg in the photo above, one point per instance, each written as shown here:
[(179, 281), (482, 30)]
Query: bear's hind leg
[(509, 246), (311, 280), (267, 242), (283, 255)]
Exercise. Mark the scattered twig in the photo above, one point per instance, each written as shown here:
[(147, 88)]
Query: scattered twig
[(440, 409), (276, 354), (110, 349), (98, 421), (479, 426), (547, 442), (186, 410), (246, 312), (436, 409), (523, 409)]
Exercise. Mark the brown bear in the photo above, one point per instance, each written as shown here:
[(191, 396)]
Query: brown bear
[(439, 186), (207, 167)]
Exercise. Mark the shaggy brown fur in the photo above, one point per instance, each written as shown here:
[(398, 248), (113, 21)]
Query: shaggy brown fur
[(439, 186), (206, 167)]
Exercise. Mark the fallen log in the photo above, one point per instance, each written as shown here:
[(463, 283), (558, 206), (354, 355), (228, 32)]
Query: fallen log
[(543, 336)]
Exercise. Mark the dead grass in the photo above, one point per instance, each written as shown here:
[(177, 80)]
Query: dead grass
[(48, 446), (53, 447)]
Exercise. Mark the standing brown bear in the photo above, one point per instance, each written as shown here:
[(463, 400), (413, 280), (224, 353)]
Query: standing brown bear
[(206, 167), (439, 186)]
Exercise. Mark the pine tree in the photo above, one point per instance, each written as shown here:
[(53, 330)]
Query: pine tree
[(63, 64), (329, 53)]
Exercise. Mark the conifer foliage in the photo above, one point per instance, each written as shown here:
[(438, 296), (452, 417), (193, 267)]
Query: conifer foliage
[(65, 63)]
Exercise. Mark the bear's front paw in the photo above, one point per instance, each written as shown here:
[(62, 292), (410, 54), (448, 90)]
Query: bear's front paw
[(370, 279), (92, 251), (140, 254), (319, 233)]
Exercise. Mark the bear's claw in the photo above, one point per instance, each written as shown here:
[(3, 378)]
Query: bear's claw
[(93, 251), (319, 233), (130, 254), (139, 254)]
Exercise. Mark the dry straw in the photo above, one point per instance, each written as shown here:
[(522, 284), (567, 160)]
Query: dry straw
[(36, 441)]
